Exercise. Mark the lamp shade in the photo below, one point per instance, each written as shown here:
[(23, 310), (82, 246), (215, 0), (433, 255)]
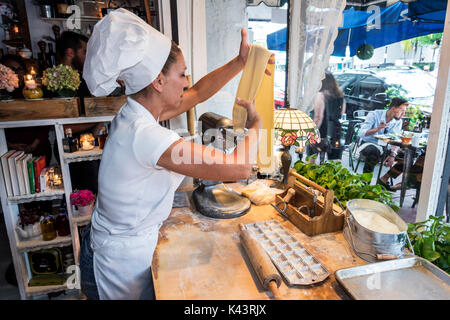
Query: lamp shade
[(292, 119), (288, 120)]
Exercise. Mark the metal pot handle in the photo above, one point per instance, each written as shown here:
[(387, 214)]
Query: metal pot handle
[(376, 256), (409, 243), (340, 205)]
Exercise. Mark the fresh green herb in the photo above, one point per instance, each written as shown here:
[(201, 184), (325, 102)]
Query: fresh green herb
[(346, 185), (415, 116), (431, 240), (396, 90)]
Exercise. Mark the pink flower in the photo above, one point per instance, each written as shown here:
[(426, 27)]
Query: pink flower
[(8, 79), (289, 139), (82, 198)]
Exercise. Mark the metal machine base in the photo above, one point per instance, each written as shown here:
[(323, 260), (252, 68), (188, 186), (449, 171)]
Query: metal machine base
[(218, 202)]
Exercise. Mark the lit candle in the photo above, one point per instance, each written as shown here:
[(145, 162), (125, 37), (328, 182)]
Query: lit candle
[(86, 145), (16, 29), (30, 83), (57, 180)]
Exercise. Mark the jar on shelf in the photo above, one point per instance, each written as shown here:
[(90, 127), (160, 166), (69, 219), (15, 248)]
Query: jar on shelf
[(32, 89), (62, 223), (48, 227), (87, 141), (57, 178)]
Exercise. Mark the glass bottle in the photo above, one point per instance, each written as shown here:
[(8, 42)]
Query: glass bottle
[(48, 228), (102, 137), (62, 223), (42, 56), (51, 55), (70, 144)]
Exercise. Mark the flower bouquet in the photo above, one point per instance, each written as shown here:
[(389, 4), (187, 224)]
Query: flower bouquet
[(84, 200), (61, 79), (28, 226), (8, 82)]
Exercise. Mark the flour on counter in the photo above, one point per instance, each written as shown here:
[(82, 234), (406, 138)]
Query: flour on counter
[(375, 222)]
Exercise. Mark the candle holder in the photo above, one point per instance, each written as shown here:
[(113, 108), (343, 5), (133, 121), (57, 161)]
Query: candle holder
[(87, 141), (32, 89), (57, 177)]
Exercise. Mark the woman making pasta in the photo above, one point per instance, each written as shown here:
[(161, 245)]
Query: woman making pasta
[(140, 168)]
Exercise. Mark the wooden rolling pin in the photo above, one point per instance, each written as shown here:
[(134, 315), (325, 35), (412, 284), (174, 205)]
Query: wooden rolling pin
[(265, 270), (190, 114)]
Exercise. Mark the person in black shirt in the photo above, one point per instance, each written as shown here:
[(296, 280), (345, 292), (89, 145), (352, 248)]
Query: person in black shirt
[(329, 105), (72, 52)]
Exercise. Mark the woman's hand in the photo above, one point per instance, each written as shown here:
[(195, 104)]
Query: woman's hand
[(253, 118), (245, 49)]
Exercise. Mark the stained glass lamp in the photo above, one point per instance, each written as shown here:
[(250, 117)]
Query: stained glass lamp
[(297, 128)]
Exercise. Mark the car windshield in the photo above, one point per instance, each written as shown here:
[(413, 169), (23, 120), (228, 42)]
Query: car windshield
[(417, 84)]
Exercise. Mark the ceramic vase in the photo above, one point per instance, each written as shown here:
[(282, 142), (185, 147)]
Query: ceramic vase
[(85, 210)]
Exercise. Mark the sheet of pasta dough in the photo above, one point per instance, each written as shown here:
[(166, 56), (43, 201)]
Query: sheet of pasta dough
[(256, 85)]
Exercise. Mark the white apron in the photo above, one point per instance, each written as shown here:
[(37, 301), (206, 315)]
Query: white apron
[(122, 265), (135, 196)]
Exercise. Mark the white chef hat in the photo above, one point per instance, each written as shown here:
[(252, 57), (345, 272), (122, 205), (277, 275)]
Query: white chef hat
[(124, 47)]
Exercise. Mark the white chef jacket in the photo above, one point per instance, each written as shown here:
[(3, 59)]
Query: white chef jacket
[(135, 196)]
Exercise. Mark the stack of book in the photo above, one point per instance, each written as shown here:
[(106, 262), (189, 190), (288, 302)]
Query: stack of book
[(23, 174)]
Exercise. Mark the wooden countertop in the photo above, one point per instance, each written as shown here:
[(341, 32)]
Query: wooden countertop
[(201, 258)]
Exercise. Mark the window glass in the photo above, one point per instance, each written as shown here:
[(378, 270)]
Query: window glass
[(375, 60), (224, 20)]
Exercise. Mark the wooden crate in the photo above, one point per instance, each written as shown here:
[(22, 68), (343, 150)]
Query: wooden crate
[(19, 109), (328, 217), (103, 106)]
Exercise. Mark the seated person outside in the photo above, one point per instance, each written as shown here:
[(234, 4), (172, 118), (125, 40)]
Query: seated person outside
[(381, 122)]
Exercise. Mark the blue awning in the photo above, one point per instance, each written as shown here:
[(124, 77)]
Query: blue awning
[(397, 22)]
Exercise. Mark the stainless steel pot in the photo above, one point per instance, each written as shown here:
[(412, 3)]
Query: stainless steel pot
[(371, 245)]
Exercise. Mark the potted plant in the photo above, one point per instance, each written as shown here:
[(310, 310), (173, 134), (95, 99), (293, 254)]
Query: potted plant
[(84, 200), (346, 185), (61, 79), (8, 82), (28, 226), (431, 240)]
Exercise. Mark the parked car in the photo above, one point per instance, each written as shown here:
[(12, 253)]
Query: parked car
[(278, 97), (368, 89)]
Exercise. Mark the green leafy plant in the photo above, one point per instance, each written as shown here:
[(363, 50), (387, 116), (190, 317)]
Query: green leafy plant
[(415, 116), (346, 185), (396, 90), (431, 240)]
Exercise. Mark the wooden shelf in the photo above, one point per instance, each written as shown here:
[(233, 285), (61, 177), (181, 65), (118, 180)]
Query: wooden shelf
[(14, 43), (32, 245), (50, 194), (40, 290), (82, 19), (94, 154)]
